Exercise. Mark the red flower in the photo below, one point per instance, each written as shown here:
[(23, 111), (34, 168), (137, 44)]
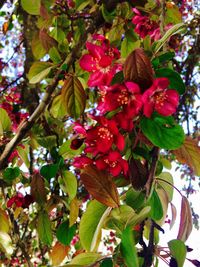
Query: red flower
[(81, 161), (126, 96), (113, 162), (20, 201), (99, 62), (124, 121), (159, 98), (144, 25), (100, 138)]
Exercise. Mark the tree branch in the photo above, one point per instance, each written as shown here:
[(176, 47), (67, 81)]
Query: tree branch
[(27, 125)]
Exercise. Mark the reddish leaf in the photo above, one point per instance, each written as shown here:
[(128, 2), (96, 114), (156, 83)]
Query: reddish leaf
[(46, 40), (174, 214), (38, 190), (189, 153), (100, 185), (58, 253), (138, 174), (138, 69), (185, 226)]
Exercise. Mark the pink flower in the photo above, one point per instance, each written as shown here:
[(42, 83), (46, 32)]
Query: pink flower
[(144, 25), (100, 138), (113, 162), (99, 62), (159, 98)]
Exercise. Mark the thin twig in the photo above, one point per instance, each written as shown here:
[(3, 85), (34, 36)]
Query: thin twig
[(152, 170)]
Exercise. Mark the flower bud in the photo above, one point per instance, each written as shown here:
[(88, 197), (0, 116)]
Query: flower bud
[(138, 69)]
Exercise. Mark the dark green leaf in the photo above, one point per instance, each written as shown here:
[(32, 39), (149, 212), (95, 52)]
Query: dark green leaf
[(163, 132), (106, 263), (118, 78), (128, 249), (156, 212), (174, 77), (9, 174), (49, 171), (65, 233)]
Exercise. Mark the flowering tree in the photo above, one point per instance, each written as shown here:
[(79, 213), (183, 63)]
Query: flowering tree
[(93, 98)]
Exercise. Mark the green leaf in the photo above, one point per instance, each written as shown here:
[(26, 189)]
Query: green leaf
[(174, 77), (38, 71), (67, 153), (129, 43), (23, 153), (73, 96), (44, 228), (166, 56), (119, 217), (118, 78), (128, 249), (9, 174), (47, 141), (65, 233), (173, 15), (178, 251), (108, 16), (69, 184), (166, 176), (58, 34), (81, 4), (163, 132), (37, 47), (135, 199), (86, 258), (55, 56), (106, 263), (49, 171), (5, 120), (156, 212), (58, 109), (31, 6), (91, 224), (176, 29)]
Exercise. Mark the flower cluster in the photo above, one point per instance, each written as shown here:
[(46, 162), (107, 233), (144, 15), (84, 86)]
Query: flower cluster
[(11, 104), (118, 107), (145, 26), (19, 200)]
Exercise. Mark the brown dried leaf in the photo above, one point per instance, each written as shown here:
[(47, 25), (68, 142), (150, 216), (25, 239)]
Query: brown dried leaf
[(58, 253), (138, 69), (185, 227), (100, 185), (38, 190), (189, 153)]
